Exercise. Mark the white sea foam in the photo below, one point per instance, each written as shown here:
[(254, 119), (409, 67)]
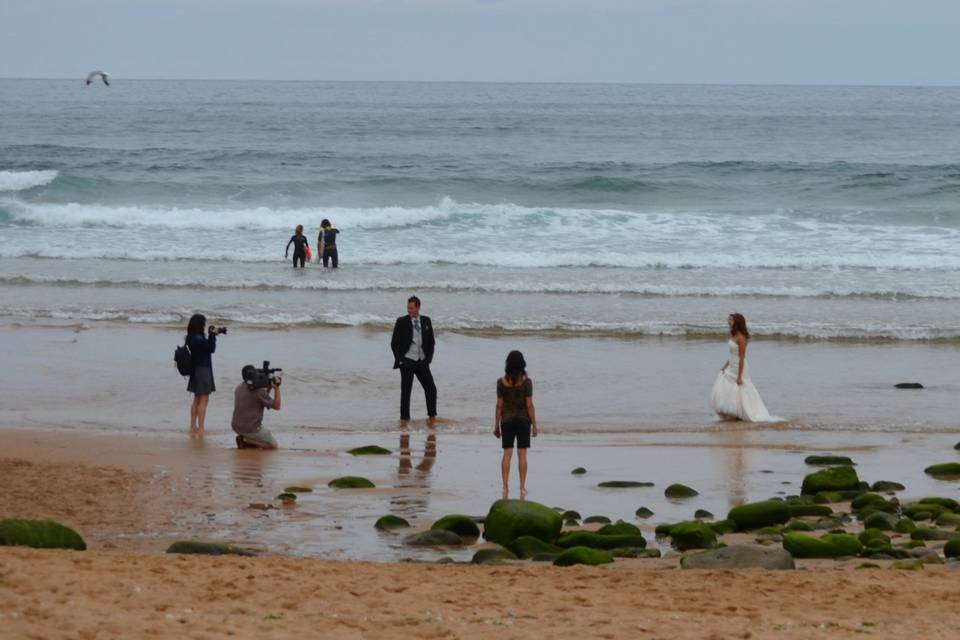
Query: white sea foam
[(23, 180)]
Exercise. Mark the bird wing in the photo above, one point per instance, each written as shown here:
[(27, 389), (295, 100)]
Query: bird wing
[(92, 75)]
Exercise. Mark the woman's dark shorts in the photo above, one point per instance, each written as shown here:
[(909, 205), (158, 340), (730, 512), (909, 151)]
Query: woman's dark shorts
[(517, 429)]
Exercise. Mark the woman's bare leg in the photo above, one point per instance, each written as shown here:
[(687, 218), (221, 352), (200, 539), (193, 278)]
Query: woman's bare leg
[(505, 471), (202, 412), (522, 463), (193, 412)]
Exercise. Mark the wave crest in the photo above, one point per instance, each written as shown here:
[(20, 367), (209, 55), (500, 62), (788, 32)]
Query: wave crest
[(11, 181)]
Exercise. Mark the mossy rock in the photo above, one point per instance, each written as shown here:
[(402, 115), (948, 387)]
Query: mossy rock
[(463, 526), (621, 528), (298, 489), (582, 555), (208, 548), (869, 500), (907, 565), (932, 510), (389, 522), (925, 533), (905, 525), (867, 565), (579, 471), (369, 450), (544, 557), (677, 491), (287, 497), (798, 525), (351, 482), (948, 519), (571, 515), (946, 503), (886, 486), (835, 521), (662, 530), (702, 514), (629, 552), (507, 520), (769, 531), (528, 547), (945, 471), (597, 541), (644, 513), (828, 461), (596, 520), (908, 385), (880, 520), (869, 535), (754, 515), (800, 510), (831, 545), (692, 535), (39, 534), (497, 555), (623, 484), (952, 548), (433, 538), (831, 479), (828, 497), (721, 527)]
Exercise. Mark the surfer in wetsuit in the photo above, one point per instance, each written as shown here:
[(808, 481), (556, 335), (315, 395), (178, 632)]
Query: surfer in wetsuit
[(300, 245), (327, 243)]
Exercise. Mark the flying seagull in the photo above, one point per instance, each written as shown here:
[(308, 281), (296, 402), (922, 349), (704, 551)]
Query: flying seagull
[(93, 74)]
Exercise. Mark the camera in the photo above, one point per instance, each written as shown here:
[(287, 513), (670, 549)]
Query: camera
[(218, 330), (262, 378)]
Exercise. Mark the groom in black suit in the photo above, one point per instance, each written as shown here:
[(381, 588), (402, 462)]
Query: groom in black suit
[(412, 345)]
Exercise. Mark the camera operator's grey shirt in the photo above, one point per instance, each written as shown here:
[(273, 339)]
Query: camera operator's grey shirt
[(248, 408)]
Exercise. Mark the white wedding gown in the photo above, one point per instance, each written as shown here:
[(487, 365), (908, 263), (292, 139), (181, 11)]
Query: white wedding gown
[(733, 401)]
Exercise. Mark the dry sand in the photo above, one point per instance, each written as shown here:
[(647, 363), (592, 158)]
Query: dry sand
[(119, 590)]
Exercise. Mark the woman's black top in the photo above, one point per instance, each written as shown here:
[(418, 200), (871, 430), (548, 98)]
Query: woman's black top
[(328, 238), (298, 242), (201, 348)]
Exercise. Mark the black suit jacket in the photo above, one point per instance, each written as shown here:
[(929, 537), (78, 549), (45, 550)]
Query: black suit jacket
[(403, 338)]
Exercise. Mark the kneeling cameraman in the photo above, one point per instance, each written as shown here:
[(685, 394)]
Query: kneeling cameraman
[(250, 398)]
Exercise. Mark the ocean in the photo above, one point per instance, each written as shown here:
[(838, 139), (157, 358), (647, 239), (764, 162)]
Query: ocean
[(822, 213)]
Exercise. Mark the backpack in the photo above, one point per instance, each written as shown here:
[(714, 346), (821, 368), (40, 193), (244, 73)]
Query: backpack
[(184, 360)]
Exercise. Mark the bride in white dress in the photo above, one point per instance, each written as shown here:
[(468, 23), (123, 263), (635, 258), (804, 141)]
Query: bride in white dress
[(734, 397)]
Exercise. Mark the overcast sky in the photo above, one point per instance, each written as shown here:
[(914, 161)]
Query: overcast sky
[(913, 42)]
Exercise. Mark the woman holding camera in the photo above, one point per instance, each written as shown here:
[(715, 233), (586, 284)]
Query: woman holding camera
[(201, 383)]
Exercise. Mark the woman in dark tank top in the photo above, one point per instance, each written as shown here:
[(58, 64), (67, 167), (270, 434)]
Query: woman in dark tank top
[(516, 420)]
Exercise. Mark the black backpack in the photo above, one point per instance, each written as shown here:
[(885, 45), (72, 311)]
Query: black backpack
[(184, 360)]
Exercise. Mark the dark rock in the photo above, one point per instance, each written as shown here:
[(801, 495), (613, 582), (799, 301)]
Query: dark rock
[(351, 482), (582, 555), (287, 497), (510, 519), (497, 555), (831, 479), (528, 547), (388, 522), (754, 515), (596, 520), (297, 489), (39, 534), (544, 557), (597, 541), (571, 515), (678, 491), (623, 484), (644, 513), (886, 486), (871, 500), (621, 528), (579, 471), (692, 535), (869, 535), (867, 565), (831, 545), (803, 510), (433, 538), (945, 471), (702, 514), (952, 548), (208, 548), (880, 520), (828, 461), (461, 525), (932, 534), (369, 450), (741, 556), (908, 385), (628, 552)]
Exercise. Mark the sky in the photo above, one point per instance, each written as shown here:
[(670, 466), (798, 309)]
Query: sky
[(872, 42)]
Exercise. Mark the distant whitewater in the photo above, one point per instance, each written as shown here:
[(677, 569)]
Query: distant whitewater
[(621, 210)]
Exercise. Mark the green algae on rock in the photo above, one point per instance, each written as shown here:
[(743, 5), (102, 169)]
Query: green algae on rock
[(298, 489), (644, 513), (39, 534), (351, 482), (952, 548), (497, 555), (800, 510), (754, 515), (880, 520), (579, 471), (597, 541), (945, 471), (528, 547), (463, 526), (831, 545), (886, 486), (677, 491), (369, 450), (596, 520), (433, 538), (388, 522), (831, 479), (621, 528), (828, 461), (692, 535), (582, 555), (208, 548), (507, 520)]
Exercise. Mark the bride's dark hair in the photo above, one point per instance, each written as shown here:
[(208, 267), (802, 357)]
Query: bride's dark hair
[(739, 325)]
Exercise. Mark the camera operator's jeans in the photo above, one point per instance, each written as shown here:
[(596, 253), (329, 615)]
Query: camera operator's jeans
[(260, 436)]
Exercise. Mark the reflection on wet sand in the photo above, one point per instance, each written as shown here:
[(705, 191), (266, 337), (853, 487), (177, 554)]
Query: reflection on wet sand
[(415, 502), (735, 450)]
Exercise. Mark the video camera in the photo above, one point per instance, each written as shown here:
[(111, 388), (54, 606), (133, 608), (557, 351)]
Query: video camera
[(262, 378)]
